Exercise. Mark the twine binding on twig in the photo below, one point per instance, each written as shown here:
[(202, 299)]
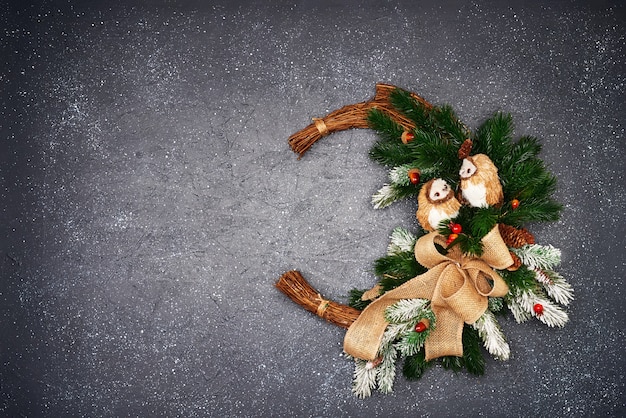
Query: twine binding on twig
[(321, 126), (321, 308), (352, 116)]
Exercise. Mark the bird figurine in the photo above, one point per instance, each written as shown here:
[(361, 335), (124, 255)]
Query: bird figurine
[(480, 184), (436, 202)]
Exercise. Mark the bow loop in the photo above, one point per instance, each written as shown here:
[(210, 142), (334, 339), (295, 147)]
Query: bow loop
[(457, 286)]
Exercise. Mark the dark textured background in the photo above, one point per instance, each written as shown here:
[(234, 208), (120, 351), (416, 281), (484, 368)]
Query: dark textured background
[(150, 200)]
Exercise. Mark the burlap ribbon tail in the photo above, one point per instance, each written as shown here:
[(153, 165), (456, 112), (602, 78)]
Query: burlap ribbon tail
[(457, 286)]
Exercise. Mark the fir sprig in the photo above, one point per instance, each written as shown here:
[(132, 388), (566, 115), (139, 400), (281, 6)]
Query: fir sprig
[(401, 240), (435, 152), (526, 148), (411, 108), (533, 210), (521, 279), (473, 359), (390, 153), (415, 365), (355, 301), (493, 137), (493, 339), (398, 267), (452, 363), (387, 129)]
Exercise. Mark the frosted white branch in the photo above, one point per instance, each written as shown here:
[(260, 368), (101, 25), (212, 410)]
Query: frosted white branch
[(405, 310), (401, 241), (384, 197), (519, 313), (364, 379), (392, 332), (538, 256), (555, 285), (399, 175), (386, 371), (492, 336), (552, 314)]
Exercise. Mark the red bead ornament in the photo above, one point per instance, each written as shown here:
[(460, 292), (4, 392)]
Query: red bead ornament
[(538, 308), (420, 327), (451, 238), (414, 175), (514, 204), (456, 228), (407, 137)]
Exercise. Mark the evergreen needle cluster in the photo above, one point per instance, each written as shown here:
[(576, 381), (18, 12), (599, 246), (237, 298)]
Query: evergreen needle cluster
[(535, 289), (437, 137)]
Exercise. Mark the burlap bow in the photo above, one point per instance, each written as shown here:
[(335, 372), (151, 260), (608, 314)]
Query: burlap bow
[(456, 285)]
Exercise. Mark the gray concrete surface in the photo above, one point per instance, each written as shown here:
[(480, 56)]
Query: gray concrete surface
[(150, 200)]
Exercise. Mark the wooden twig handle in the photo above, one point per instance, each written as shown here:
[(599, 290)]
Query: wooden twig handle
[(351, 116), (300, 291)]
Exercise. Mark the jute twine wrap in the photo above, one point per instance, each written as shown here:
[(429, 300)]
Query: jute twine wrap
[(457, 286), (321, 126)]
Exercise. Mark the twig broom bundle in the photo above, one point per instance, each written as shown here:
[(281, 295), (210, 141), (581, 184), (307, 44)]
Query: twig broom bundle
[(351, 116), (300, 291)]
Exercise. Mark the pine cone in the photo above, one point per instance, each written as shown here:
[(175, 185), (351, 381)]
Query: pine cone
[(514, 237), (517, 263), (466, 148)]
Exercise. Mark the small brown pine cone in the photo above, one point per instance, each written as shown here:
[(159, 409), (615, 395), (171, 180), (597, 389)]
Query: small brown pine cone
[(517, 263), (514, 237), (530, 238), (466, 148)]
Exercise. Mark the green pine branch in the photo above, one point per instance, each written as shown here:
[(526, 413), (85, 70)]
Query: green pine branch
[(447, 123), (390, 153), (415, 366), (400, 266), (533, 210), (355, 301), (526, 148), (493, 138), (453, 363), (442, 120), (411, 108), (472, 354), (386, 128), (519, 280)]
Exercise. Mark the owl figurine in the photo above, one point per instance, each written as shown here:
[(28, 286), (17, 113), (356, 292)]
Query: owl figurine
[(435, 203), (480, 185)]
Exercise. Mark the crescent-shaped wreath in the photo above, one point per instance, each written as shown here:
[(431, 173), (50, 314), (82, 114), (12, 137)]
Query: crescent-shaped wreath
[(440, 288)]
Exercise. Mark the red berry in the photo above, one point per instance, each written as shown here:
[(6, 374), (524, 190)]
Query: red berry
[(414, 175), (456, 228), (515, 204), (451, 238), (420, 327), (407, 137), (538, 308)]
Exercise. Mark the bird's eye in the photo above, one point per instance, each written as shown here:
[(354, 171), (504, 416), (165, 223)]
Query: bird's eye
[(437, 194)]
